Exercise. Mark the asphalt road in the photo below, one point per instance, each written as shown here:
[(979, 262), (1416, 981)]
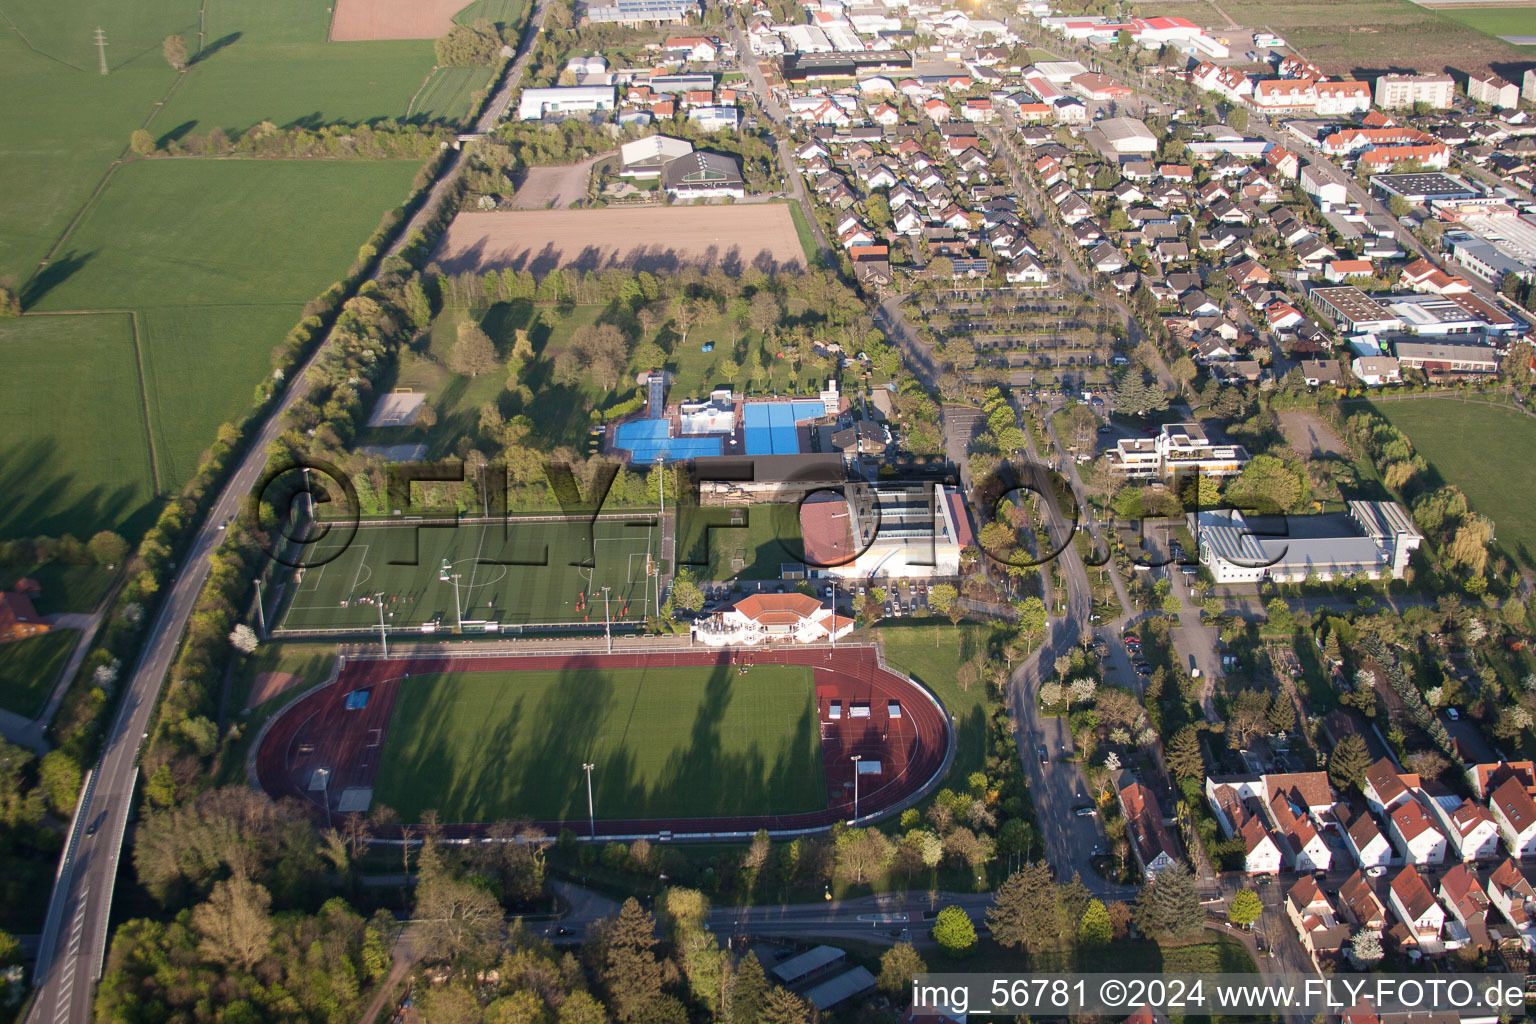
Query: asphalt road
[(73, 946)]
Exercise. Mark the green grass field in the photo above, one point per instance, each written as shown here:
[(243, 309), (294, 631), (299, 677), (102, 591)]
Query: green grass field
[(1368, 37), (30, 667), (751, 551), (66, 588), (172, 241), (667, 742), (1498, 477), (931, 652), (501, 575), (76, 458), (446, 95), (215, 258), (1495, 21)]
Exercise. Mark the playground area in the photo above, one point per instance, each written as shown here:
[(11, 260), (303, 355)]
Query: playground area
[(482, 576)]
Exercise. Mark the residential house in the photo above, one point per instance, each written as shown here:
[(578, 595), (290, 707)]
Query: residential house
[(1106, 259), (18, 619), (1361, 904), (1312, 912), (1473, 833), (1154, 848), (1515, 813), (1303, 847), (1376, 371), (1027, 270), (1489, 88), (1422, 918), (1342, 270), (1385, 787), (1317, 372), (1460, 891), (1509, 890), (1485, 778), (1365, 841), (1417, 838)]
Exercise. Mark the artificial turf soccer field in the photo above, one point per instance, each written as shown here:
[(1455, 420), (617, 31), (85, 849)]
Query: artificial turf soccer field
[(667, 742), (517, 572)]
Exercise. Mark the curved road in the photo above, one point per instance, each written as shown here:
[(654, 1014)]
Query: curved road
[(74, 940)]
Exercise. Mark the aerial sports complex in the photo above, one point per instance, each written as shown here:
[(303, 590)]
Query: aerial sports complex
[(682, 743)]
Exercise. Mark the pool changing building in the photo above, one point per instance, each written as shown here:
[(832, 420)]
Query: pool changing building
[(1371, 539)]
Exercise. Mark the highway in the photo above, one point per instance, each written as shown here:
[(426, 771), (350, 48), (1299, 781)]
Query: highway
[(74, 940)]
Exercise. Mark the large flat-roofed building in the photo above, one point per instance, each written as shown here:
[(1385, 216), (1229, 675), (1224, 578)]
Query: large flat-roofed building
[(1119, 138), (878, 531), (1351, 311), (1424, 187), (1488, 259), (703, 175), (1429, 314), (644, 158), (570, 99), (1396, 91), (1372, 539), (1178, 449), (1510, 239), (802, 67), (641, 12), (1445, 359)]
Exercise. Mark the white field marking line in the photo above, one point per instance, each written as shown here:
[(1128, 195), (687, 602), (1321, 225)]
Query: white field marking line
[(305, 586), (362, 561), (474, 566)]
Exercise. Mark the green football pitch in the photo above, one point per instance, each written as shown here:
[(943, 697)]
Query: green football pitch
[(517, 572), (673, 742)]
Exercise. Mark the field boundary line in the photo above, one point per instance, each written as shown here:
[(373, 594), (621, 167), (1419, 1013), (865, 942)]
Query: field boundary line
[(138, 360), (106, 177), (411, 105), (29, 44), (149, 426)]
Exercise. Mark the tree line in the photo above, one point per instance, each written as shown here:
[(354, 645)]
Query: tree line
[(380, 140)]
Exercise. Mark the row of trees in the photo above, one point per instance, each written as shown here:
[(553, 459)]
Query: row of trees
[(380, 140)]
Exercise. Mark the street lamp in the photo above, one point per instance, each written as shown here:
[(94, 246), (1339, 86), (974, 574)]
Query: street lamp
[(855, 760), (591, 819), (383, 635), (325, 789), (607, 622), (458, 611)]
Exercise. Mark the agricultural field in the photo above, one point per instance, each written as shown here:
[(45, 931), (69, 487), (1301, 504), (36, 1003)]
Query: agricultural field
[(1508, 20), (1500, 482), (208, 306), (667, 742), (205, 264), (1367, 37), (76, 458), (30, 667), (644, 238)]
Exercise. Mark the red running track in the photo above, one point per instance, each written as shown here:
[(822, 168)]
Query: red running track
[(913, 746)]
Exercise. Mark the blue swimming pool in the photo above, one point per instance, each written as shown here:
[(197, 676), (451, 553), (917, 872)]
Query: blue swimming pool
[(647, 441), (769, 427)]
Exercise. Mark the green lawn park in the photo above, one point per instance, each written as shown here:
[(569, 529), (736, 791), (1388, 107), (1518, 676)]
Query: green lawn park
[(667, 742), (561, 413), (1483, 449), (30, 667), (520, 572)]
